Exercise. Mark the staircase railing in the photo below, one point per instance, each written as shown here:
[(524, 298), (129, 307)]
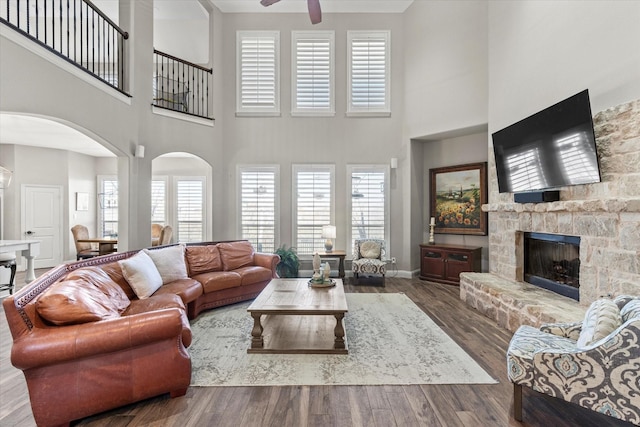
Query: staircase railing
[(181, 85), (75, 30)]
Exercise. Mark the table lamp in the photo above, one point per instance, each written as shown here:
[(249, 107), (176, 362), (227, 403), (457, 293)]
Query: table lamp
[(328, 232)]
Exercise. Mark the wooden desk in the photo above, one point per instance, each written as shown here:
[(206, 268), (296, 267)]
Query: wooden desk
[(105, 245), (29, 249), (336, 254)]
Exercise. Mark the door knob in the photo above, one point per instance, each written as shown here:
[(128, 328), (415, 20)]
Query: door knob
[(29, 233)]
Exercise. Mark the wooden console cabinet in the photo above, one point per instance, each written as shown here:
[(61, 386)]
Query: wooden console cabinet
[(444, 263)]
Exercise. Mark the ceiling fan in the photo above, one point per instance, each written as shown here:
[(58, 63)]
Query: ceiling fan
[(315, 13)]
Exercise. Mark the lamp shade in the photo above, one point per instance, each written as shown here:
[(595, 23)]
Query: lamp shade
[(329, 231)]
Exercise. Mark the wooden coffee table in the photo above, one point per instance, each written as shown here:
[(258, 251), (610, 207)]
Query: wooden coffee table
[(289, 317)]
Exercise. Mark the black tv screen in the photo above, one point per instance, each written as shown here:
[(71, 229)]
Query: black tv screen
[(553, 148)]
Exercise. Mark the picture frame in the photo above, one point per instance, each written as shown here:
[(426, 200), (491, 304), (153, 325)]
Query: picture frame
[(457, 194), (82, 201)]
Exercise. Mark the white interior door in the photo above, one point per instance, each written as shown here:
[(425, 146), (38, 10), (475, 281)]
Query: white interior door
[(42, 220)]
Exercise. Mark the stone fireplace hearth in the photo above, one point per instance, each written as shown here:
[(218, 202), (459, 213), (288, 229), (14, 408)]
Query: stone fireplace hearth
[(606, 217)]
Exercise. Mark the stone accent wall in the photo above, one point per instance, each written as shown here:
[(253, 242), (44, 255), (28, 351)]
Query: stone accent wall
[(606, 216)]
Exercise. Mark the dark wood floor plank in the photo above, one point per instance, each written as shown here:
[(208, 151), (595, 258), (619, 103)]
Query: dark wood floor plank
[(341, 406)]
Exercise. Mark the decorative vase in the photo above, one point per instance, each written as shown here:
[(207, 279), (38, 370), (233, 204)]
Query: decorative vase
[(327, 271)]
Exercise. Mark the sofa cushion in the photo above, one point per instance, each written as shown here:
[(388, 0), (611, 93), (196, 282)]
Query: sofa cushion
[(253, 274), (75, 301), (158, 302), (187, 289), (218, 280), (101, 280), (602, 318), (370, 249), (141, 273), (235, 254), (170, 262), (203, 259)]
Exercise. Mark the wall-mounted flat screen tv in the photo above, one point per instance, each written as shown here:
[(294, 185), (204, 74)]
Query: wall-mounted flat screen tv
[(553, 148)]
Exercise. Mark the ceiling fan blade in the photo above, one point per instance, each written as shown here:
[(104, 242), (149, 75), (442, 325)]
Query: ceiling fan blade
[(315, 13), (268, 2)]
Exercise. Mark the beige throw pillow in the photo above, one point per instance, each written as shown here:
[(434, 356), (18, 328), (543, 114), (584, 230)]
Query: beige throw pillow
[(170, 262), (141, 274), (602, 318), (370, 250)]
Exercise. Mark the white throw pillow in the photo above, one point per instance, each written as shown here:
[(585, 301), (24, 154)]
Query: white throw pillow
[(169, 262), (602, 318), (370, 250), (631, 310), (141, 274)]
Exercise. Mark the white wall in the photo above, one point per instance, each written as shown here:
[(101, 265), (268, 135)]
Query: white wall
[(542, 52)]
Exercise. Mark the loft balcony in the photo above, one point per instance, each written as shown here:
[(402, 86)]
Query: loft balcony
[(80, 33)]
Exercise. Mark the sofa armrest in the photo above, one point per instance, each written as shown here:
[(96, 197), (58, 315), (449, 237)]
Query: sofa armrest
[(266, 260), (567, 330), (48, 346)]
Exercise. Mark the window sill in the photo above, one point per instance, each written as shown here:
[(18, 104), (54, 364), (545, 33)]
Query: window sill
[(258, 114), (368, 114)]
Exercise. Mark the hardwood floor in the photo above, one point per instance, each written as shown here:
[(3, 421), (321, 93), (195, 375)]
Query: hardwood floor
[(415, 405)]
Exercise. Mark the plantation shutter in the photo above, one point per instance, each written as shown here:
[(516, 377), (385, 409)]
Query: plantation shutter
[(369, 71), (368, 205), (108, 199), (314, 206), (190, 210), (313, 71), (258, 71), (158, 201), (258, 208)]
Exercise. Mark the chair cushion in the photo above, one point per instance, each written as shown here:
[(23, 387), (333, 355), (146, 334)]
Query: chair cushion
[(602, 318), (370, 250), (631, 310), (141, 274), (170, 262), (369, 266)]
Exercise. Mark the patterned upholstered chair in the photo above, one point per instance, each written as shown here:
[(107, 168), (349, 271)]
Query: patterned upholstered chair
[(593, 363), (369, 257)]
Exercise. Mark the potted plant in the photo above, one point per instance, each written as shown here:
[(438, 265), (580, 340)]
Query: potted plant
[(289, 262)]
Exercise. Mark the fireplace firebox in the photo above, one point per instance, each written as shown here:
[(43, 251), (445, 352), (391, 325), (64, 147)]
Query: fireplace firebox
[(552, 261)]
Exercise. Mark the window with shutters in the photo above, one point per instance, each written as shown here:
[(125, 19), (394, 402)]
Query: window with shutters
[(369, 202), (313, 205), (369, 73), (107, 206), (159, 200), (258, 73), (258, 205), (312, 73), (190, 209)]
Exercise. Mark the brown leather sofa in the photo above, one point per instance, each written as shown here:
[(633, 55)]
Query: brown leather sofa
[(83, 353)]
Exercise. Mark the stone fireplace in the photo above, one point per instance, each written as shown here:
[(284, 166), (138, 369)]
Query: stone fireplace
[(605, 216)]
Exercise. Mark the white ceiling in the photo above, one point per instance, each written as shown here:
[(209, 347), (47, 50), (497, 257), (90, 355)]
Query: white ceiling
[(328, 6), (38, 132)]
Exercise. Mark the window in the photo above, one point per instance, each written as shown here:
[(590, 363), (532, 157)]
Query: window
[(369, 69), (258, 206), (159, 201), (369, 202), (189, 209), (258, 79), (313, 189), (107, 206), (312, 72)]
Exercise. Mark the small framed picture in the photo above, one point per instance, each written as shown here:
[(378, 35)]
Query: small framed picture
[(82, 201)]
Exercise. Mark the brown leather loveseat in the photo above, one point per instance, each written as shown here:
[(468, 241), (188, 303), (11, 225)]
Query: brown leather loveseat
[(97, 334)]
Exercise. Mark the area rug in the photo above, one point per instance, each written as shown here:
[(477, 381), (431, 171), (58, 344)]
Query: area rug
[(391, 341)]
